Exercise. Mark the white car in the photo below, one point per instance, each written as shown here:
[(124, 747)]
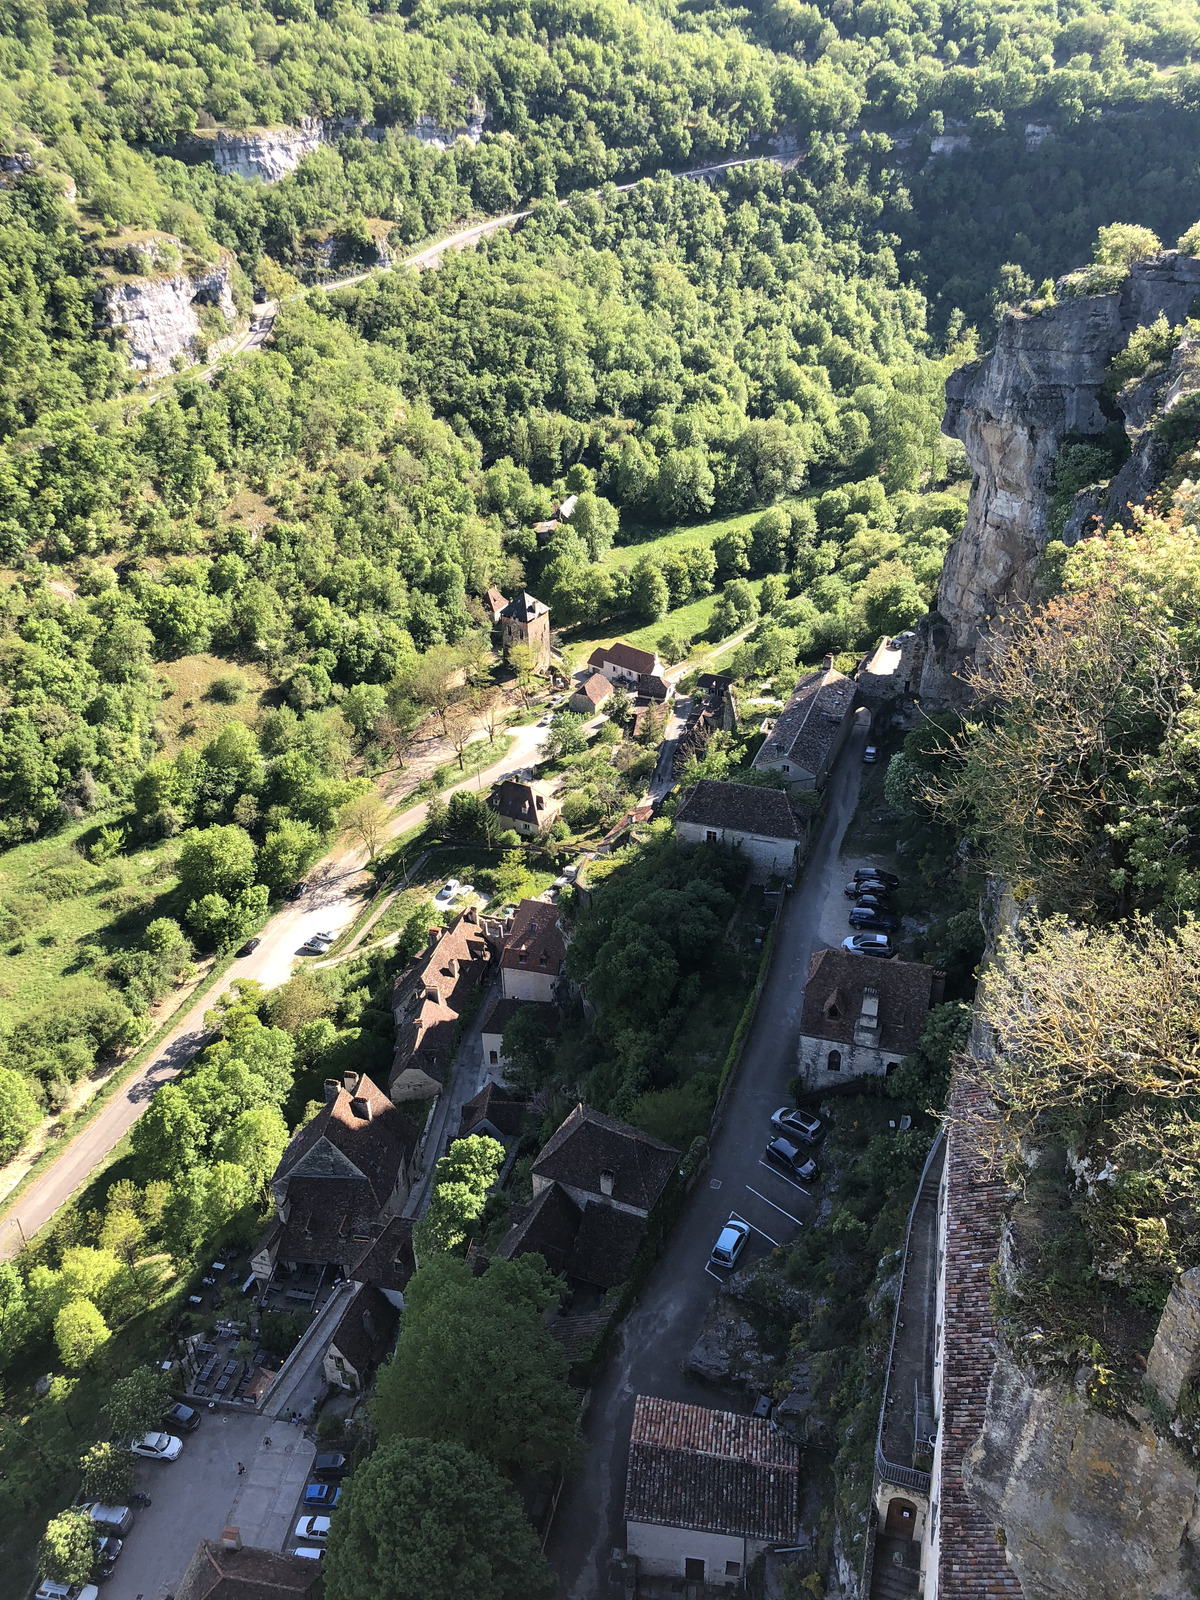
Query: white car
[(312, 1528), (158, 1447), (309, 1552), (48, 1589), (446, 893), (729, 1245)]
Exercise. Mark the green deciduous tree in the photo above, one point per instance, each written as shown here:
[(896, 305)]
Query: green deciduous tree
[(67, 1551), (432, 1521), (107, 1472), (20, 1113), (136, 1403), (80, 1333), (461, 1182)]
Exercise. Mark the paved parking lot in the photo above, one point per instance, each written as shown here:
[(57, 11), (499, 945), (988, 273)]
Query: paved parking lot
[(196, 1496)]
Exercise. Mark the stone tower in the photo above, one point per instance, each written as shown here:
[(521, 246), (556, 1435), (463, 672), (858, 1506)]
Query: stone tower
[(525, 620)]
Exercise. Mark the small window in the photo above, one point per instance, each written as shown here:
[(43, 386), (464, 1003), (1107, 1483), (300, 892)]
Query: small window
[(892, 1065), (733, 1569), (494, 1057), (521, 958), (693, 1569), (785, 767), (711, 836), (832, 1012), (833, 1062)]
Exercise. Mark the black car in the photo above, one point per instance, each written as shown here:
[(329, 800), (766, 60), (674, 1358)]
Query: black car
[(108, 1548), (249, 947), (890, 878), (181, 1419), (861, 886), (786, 1155), (330, 1466), (867, 919), (872, 902)]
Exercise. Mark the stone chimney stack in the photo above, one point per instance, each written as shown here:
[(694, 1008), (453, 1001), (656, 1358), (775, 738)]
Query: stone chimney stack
[(606, 1183), (332, 1090), (231, 1538), (827, 664)]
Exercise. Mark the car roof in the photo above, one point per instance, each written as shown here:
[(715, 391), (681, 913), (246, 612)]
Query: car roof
[(784, 1144)]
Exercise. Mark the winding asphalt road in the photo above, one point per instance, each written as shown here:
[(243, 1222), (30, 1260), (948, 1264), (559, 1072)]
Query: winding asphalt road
[(661, 1329), (331, 901)]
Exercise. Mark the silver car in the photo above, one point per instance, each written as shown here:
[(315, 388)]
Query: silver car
[(730, 1244)]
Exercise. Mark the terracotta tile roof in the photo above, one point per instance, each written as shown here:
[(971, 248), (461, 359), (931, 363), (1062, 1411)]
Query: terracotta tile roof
[(547, 1228), (836, 981), (588, 1144), (342, 1140), (458, 957), (971, 1565), (426, 1040), (389, 1260), (536, 943), (808, 725), (496, 601), (623, 655), (741, 807), (496, 1105), (524, 608), (597, 689), (215, 1573), (605, 1246), (711, 1471), (364, 1335)]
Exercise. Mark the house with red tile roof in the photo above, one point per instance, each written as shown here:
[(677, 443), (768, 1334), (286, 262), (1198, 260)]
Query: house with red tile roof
[(591, 695), (427, 1000), (707, 1492), (531, 961)]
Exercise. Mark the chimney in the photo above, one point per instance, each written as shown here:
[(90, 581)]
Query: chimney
[(332, 1090), (471, 915), (434, 935), (827, 664), (606, 1182), (231, 1538), (866, 1026), (350, 1079), (361, 1108)]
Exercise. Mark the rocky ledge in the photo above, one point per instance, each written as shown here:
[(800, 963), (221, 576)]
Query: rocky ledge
[(153, 295)]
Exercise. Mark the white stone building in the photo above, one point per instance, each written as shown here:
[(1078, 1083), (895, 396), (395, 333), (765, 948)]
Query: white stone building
[(862, 1015), (758, 822)]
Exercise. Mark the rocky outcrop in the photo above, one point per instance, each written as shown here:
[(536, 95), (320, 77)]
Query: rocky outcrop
[(427, 130), (1012, 410), (1175, 1356), (266, 154), (155, 310), (1093, 1505)]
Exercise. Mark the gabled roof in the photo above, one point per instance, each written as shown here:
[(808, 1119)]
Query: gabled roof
[(357, 1132), (364, 1335), (536, 943), (496, 601), (836, 981), (547, 1227), (215, 1573), (808, 725), (519, 801), (496, 1105), (389, 1260), (324, 1215), (624, 655), (588, 1144), (741, 807), (712, 1472), (596, 689), (524, 608)]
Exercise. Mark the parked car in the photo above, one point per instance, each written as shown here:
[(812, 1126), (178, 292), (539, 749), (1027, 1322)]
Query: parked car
[(890, 878), (861, 886), (794, 1124), (297, 890), (48, 1589), (868, 944), (330, 1466), (182, 1417), (322, 1494), (110, 1519), (312, 1528), (108, 1548), (446, 893), (872, 920), (876, 901), (157, 1447), (308, 1552), (250, 946), (870, 754), (784, 1154), (730, 1243)]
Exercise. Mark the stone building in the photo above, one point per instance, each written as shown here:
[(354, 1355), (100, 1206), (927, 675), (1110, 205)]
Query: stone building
[(758, 822), (803, 742), (862, 1015), (531, 961), (707, 1492), (525, 620), (427, 1001), (527, 808)]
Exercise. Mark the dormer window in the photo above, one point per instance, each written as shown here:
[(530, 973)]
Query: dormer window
[(522, 957), (606, 1182), (542, 959)]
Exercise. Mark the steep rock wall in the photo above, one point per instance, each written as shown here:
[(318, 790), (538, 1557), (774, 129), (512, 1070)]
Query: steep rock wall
[(156, 315), (1093, 1506), (1012, 410), (267, 154)]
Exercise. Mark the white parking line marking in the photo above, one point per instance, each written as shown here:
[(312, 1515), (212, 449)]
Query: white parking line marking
[(775, 1173), (774, 1207), (713, 1274)]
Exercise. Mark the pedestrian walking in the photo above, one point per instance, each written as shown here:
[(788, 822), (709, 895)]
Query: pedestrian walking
[(267, 1441), (241, 1468)]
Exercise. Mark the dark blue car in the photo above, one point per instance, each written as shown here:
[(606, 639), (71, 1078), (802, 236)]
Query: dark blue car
[(868, 919)]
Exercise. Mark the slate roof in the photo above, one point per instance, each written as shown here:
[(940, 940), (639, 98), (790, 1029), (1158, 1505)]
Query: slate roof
[(712, 1472), (524, 608), (499, 1017), (623, 655), (389, 1260), (589, 1143), (741, 808), (808, 725), (605, 1245), (323, 1216), (340, 1142), (518, 801), (364, 1335), (836, 980), (215, 1573), (548, 1228), (493, 1104), (537, 937), (595, 689)]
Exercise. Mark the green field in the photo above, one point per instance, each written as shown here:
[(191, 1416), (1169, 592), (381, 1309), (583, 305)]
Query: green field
[(655, 545)]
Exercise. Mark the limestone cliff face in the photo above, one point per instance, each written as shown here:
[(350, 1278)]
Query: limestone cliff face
[(1012, 410), (154, 308), (267, 154), (1093, 1506)]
